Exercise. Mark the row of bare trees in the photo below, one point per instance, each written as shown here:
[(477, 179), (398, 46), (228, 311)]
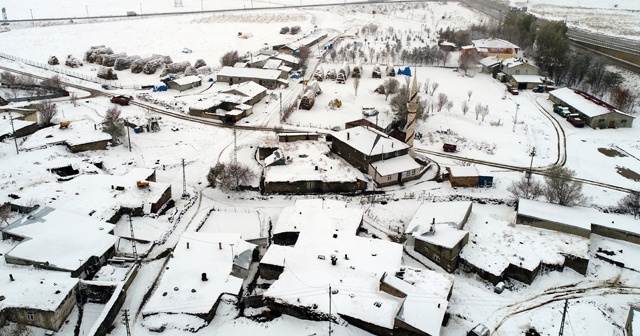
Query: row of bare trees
[(231, 176)]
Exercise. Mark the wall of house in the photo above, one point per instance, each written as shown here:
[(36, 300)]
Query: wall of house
[(286, 238), (270, 272), (264, 152), (51, 320), (360, 160), (284, 137), (366, 326), (577, 264), (522, 69), (448, 257), (314, 187), (521, 274), (166, 196), (525, 220), (615, 234), (603, 121), (385, 287), (401, 328), (384, 181), (628, 326), (471, 268), (463, 181), (98, 145), (27, 130)]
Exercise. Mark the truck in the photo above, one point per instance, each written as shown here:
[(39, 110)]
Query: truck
[(576, 120), (121, 99), (132, 13)]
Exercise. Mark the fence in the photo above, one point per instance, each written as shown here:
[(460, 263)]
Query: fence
[(42, 97), (69, 73)]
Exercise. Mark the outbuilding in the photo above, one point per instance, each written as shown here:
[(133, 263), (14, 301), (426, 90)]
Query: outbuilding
[(185, 83), (595, 112)]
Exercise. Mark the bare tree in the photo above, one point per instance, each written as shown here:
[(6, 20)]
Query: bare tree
[(303, 54), (47, 111), (52, 84), (622, 98), (469, 93), (398, 104), (112, 115), (390, 87), (630, 204), (235, 175), (478, 110), (215, 173), (7, 77), (426, 85), (333, 54), (434, 87), (484, 112), (16, 329), (230, 58), (73, 98), (113, 124), (561, 189), (356, 85), (449, 106), (464, 107), (526, 188), (5, 213), (443, 99)]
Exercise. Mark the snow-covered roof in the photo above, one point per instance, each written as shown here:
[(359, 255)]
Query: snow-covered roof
[(249, 73), (240, 64), (395, 165), (33, 288), (269, 141), (276, 255), (321, 203), (247, 224), (576, 216), (463, 171), (272, 64), (340, 220), (249, 89), (493, 43), (206, 104), (302, 159), (96, 194), (369, 141), (426, 301), (61, 238), (287, 58), (585, 103), (535, 79), (447, 43), (355, 279), (516, 61), (490, 61), (187, 80), (18, 124), (79, 132), (285, 68), (449, 220), (181, 289)]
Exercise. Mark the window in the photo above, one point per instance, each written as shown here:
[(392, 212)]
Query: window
[(436, 258), (30, 316), (517, 71), (623, 121), (601, 121), (413, 171), (388, 177)]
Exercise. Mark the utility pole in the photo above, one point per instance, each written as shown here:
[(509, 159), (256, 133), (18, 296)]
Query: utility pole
[(330, 331), (185, 195), (87, 8), (13, 133), (515, 120), (141, 9), (133, 240), (280, 105), (126, 321), (564, 315), (201, 6), (128, 135), (532, 154)]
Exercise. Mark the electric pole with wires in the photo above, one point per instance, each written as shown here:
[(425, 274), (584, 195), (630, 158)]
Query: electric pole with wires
[(564, 315), (330, 331), (125, 315), (185, 194), (133, 240)]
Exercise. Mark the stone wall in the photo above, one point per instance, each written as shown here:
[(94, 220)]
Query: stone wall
[(97, 145), (51, 320)]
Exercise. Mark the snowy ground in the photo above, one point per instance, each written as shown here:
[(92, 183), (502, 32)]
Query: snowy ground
[(202, 146)]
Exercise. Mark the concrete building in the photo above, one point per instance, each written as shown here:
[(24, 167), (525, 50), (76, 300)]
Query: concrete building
[(396, 170), (254, 92), (595, 112), (361, 146), (271, 79)]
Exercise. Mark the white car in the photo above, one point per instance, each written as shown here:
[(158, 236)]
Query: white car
[(186, 50)]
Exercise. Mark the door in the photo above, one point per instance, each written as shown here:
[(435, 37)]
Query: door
[(612, 124)]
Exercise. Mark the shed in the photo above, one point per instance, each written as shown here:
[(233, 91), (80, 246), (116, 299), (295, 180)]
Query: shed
[(463, 176), (185, 83), (595, 112)]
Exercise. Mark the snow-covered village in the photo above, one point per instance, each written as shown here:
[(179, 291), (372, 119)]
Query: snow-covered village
[(310, 167)]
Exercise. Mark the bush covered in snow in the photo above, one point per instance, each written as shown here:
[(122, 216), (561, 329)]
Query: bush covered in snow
[(204, 70), (53, 60), (190, 71), (199, 63), (107, 73), (73, 62), (151, 66), (124, 63), (110, 60), (138, 65), (175, 68)]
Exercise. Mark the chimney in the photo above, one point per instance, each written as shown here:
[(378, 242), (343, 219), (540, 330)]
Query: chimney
[(348, 136), (220, 245), (11, 277), (316, 167), (334, 260), (187, 245), (204, 277), (434, 221)]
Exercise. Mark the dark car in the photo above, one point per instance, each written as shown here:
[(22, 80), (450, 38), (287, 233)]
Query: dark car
[(122, 100), (513, 90), (449, 147), (576, 120), (538, 89)]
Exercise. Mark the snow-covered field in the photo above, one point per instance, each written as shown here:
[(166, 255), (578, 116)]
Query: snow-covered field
[(496, 138)]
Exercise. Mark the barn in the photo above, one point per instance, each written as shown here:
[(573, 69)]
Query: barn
[(595, 112)]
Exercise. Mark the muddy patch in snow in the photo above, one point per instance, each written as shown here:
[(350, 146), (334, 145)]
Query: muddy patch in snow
[(610, 152), (628, 173)]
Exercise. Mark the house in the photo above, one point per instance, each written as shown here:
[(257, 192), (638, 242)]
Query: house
[(273, 64), (80, 136), (185, 83), (492, 47), (310, 168), (447, 46), (595, 112), (105, 197), (329, 215), (306, 41), (35, 296), (633, 321), (288, 60), (291, 136), (361, 146), (20, 128), (255, 92), (396, 170), (48, 239), (271, 79), (247, 224), (200, 271), (370, 289), (490, 64), (267, 145), (436, 231), (520, 73)]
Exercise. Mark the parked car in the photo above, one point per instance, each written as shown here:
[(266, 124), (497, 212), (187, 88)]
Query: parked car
[(563, 111), (107, 87), (513, 90), (539, 89), (576, 120), (479, 330), (187, 51), (449, 147), (369, 111), (122, 100)]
